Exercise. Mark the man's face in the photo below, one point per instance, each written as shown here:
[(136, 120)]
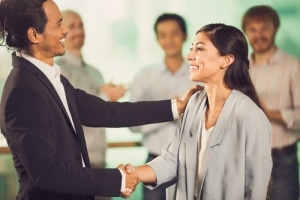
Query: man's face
[(75, 38), (261, 35), (170, 37), (51, 41)]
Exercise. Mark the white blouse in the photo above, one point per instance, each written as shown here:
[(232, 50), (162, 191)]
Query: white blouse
[(202, 143)]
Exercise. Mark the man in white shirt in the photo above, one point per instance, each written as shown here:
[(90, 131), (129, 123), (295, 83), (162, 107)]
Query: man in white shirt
[(166, 79)]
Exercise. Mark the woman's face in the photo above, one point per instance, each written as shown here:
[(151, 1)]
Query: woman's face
[(204, 60)]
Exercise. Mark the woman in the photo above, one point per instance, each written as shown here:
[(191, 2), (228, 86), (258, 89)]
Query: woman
[(222, 148)]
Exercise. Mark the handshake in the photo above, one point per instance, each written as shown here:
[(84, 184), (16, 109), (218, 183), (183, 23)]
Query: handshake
[(134, 175), (131, 179)]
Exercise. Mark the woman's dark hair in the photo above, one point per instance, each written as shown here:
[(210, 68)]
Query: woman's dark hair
[(171, 16), (16, 17), (231, 41)]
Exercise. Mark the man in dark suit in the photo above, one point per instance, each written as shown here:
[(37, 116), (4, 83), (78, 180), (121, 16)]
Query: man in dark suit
[(42, 114)]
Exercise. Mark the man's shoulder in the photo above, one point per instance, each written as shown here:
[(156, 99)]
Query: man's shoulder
[(288, 56), (149, 70)]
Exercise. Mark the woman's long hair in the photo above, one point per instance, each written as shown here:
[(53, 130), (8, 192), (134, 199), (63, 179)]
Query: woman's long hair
[(230, 40)]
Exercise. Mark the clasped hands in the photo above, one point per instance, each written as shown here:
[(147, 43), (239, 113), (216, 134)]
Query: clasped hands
[(132, 179), (113, 91), (146, 174)]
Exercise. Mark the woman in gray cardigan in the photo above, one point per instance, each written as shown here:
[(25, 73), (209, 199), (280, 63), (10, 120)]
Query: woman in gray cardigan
[(222, 148)]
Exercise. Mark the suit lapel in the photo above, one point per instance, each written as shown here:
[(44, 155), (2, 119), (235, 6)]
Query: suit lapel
[(195, 117), (21, 62), (193, 121), (52, 90), (191, 164), (77, 122), (57, 98), (217, 135), (222, 122)]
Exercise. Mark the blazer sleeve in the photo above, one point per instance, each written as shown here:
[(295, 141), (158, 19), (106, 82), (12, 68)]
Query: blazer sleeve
[(36, 153), (95, 112), (258, 155)]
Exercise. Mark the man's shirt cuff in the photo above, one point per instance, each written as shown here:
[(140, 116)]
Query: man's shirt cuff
[(174, 109)]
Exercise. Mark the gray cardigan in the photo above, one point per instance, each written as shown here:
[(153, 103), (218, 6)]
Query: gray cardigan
[(237, 162)]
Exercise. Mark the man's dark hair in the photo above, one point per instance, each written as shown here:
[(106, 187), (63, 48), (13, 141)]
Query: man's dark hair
[(16, 17), (171, 16)]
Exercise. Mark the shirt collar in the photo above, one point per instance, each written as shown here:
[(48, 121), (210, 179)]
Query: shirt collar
[(51, 72), (181, 71), (275, 59)]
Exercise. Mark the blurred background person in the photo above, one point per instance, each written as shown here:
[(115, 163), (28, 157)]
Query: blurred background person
[(163, 80), (88, 78), (276, 77)]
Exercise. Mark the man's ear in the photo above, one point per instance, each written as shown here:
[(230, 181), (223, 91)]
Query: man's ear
[(227, 61), (32, 35)]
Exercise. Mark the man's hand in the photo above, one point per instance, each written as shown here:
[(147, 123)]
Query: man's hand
[(181, 103), (129, 168), (131, 182)]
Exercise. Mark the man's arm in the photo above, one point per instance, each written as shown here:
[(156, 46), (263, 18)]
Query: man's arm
[(95, 112)]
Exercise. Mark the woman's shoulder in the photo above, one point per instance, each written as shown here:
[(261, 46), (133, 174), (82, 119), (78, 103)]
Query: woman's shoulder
[(197, 97), (244, 106)]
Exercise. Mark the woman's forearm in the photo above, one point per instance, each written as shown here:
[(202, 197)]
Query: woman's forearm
[(145, 173)]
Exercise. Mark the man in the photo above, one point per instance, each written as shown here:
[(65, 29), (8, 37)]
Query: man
[(276, 77), (42, 113), (88, 78), (166, 79)]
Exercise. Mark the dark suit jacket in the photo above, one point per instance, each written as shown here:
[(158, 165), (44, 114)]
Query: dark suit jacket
[(45, 148)]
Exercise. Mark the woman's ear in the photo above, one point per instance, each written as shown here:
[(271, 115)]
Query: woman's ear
[(227, 61), (32, 35)]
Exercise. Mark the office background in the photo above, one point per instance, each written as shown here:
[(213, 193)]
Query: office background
[(120, 40)]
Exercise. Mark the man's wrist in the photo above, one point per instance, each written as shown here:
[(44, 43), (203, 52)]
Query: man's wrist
[(122, 180)]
